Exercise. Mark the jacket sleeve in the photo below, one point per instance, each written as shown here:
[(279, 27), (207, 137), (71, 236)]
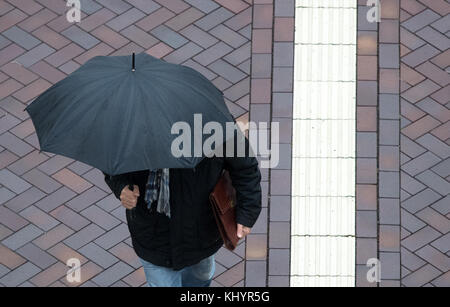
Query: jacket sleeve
[(246, 179), (117, 183)]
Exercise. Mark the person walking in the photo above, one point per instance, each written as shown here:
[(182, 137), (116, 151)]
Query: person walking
[(170, 219)]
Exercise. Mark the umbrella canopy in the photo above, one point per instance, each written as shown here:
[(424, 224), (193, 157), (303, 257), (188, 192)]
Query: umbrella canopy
[(119, 119)]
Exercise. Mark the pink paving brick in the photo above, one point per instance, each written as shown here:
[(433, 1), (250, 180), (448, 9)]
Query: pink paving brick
[(110, 37), (72, 180)]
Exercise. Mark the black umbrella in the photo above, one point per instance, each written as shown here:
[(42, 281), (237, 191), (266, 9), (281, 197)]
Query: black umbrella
[(117, 115)]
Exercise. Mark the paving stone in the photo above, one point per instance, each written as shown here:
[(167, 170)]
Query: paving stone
[(37, 256), (213, 53), (64, 55), (442, 24), (100, 217), (262, 41), (139, 36), (228, 36), (22, 237), (52, 237), (39, 218), (205, 6), (69, 218), (11, 18), (19, 73), (442, 243), (110, 37), (117, 6), (15, 145), (194, 65), (434, 145), (366, 224), (184, 19), (80, 37), (420, 20), (113, 274), (210, 20), (442, 205), (19, 275), (420, 200), (184, 53), (389, 183), (55, 199), (420, 163), (89, 6), (21, 38), (97, 178), (126, 254), (241, 58), (35, 55), (421, 238), (7, 122), (147, 6), (420, 91), (13, 182), (435, 109), (434, 219), (279, 262), (434, 37), (98, 255), (84, 236), (79, 167), (72, 180), (420, 55), (412, 149), (11, 220), (169, 36), (411, 185), (9, 258), (279, 235), (85, 199), (389, 56), (41, 181), (227, 71), (113, 237), (227, 258), (124, 20), (421, 276), (128, 49), (198, 36), (442, 281), (63, 253), (258, 269), (389, 238), (32, 90), (50, 275), (5, 195)]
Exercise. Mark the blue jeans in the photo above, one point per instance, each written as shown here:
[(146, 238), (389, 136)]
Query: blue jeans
[(197, 275)]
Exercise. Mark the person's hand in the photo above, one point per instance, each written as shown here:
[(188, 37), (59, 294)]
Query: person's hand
[(129, 198), (242, 231)]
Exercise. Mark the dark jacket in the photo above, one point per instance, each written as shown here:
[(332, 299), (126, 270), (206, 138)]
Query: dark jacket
[(191, 233)]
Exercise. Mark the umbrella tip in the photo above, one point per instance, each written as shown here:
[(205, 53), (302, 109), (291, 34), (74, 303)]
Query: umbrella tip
[(133, 68)]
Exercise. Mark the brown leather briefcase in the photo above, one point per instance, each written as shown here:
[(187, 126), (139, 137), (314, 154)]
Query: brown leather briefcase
[(223, 202)]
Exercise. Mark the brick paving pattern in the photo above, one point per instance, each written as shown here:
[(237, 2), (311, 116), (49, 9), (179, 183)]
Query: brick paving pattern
[(53, 208), (403, 143), (425, 143)]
